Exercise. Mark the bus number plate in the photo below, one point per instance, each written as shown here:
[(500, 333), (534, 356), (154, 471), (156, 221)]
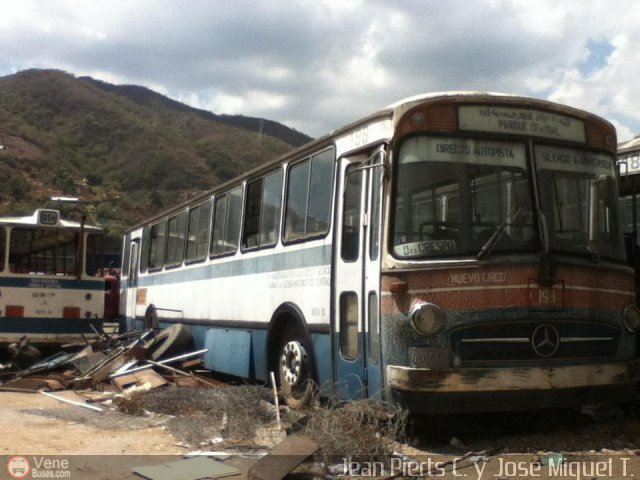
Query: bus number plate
[(48, 217), (431, 357)]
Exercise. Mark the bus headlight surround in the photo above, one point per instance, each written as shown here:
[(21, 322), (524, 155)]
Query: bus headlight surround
[(631, 318), (427, 319)]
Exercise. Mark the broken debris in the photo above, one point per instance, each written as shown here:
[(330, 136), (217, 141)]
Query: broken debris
[(193, 468), (109, 362), (284, 458)]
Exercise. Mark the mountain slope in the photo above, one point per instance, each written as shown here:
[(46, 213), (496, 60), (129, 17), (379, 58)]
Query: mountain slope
[(126, 150), (149, 98)]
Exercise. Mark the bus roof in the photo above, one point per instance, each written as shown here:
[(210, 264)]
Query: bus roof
[(35, 219), (629, 146)]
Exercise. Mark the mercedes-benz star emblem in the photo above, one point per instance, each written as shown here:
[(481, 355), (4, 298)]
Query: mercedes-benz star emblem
[(545, 340)]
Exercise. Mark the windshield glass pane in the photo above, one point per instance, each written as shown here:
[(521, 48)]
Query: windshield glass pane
[(461, 196), (578, 196)]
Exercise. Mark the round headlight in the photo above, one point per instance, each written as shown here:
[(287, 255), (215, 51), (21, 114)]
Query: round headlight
[(427, 319), (631, 318)]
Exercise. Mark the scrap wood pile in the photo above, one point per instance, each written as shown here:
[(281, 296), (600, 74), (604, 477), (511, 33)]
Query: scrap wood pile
[(150, 358)]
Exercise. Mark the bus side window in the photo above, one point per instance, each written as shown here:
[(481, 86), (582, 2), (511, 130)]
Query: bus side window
[(309, 188), (262, 211), (3, 248), (226, 223), (198, 233), (252, 214), (349, 325), (271, 208), (320, 190), (176, 239), (351, 215), (157, 237), (146, 249)]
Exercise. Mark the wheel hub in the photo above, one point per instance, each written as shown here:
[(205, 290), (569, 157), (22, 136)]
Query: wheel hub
[(292, 361)]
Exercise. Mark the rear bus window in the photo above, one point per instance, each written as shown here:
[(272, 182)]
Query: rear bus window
[(309, 188), (43, 251)]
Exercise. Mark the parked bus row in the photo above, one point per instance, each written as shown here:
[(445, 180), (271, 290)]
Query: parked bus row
[(452, 252)]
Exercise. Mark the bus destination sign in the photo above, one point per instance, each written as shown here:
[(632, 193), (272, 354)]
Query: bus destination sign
[(521, 121)]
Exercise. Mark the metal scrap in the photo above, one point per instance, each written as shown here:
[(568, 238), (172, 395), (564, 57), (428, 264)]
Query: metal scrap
[(118, 360)]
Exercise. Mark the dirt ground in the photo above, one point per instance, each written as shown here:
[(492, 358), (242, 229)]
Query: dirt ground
[(98, 446), (601, 444)]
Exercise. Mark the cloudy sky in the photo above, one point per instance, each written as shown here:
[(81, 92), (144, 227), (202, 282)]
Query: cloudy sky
[(316, 65)]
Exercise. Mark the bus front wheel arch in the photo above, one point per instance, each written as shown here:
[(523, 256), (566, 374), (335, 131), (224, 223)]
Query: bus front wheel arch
[(295, 367)]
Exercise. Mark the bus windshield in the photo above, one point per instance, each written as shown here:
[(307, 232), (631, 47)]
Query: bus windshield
[(459, 196), (579, 200), (472, 197)]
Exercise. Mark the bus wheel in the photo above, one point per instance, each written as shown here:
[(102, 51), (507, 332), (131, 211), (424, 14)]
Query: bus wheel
[(295, 371)]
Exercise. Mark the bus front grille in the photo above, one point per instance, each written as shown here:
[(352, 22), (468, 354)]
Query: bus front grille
[(534, 341)]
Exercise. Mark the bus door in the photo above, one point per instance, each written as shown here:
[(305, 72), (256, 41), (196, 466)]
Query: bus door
[(132, 279), (356, 281)]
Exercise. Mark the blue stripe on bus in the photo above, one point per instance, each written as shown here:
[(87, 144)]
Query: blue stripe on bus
[(49, 325), (309, 257), (252, 362), (37, 282)]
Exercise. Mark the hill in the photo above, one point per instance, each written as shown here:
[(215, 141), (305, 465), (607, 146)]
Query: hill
[(125, 150), (148, 98)]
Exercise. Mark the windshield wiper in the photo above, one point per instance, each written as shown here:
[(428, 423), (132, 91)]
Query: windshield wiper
[(498, 234)]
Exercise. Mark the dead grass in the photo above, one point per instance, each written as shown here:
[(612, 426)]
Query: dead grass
[(365, 430), (231, 412)]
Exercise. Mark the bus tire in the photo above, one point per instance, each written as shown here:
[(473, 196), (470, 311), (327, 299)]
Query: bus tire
[(295, 369), (171, 341)]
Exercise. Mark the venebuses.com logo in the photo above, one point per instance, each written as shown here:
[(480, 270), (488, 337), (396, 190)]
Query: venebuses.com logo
[(18, 467), (38, 467)]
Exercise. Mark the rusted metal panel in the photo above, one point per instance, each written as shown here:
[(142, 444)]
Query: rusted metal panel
[(511, 379)]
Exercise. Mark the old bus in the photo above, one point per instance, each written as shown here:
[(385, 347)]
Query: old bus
[(629, 206), (452, 252), (48, 290)]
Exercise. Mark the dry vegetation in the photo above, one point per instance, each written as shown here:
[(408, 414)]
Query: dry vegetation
[(363, 430), (138, 151)]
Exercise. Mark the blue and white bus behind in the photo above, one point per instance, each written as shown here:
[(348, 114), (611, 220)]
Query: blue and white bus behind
[(48, 292)]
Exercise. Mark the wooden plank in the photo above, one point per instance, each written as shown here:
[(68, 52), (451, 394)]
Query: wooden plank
[(283, 459), (139, 378)]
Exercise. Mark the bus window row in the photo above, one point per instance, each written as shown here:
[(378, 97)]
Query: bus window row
[(247, 217)]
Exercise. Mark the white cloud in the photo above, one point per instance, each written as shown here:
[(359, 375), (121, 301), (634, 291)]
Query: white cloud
[(319, 64)]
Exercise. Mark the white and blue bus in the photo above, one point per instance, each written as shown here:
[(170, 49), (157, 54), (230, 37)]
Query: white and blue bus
[(49, 291), (452, 252)]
